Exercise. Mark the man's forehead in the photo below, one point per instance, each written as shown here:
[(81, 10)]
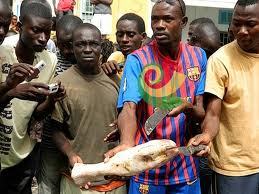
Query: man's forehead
[(37, 20), (86, 34), (127, 25), (249, 11)]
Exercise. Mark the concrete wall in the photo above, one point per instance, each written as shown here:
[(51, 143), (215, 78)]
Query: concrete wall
[(197, 12)]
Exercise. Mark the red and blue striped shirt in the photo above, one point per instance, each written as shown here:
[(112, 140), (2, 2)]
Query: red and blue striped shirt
[(191, 61)]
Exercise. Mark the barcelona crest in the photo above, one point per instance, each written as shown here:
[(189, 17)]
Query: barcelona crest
[(193, 73), (144, 189)]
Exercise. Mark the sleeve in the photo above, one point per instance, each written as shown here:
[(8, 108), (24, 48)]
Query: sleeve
[(61, 112), (202, 80), (217, 77), (129, 88)]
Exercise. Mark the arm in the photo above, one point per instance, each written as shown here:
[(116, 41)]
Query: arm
[(211, 122), (4, 97), (210, 125), (195, 111), (65, 147), (127, 123), (106, 2), (54, 4), (47, 106)]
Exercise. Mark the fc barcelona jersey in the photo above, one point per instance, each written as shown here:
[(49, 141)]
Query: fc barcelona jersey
[(158, 71)]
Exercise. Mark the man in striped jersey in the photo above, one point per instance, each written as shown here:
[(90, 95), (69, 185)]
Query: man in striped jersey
[(172, 56)]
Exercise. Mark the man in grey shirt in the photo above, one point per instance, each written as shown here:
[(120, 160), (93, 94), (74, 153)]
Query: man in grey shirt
[(102, 18)]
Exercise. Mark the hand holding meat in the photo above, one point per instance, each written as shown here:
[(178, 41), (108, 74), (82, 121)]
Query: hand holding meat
[(132, 161)]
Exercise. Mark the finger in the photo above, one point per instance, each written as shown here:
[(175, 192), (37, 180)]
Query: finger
[(79, 160), (202, 153), (24, 66), (106, 159), (105, 70), (118, 67), (20, 75), (109, 69), (199, 139), (40, 91), (112, 124), (24, 72), (109, 154), (112, 66), (191, 141), (40, 85)]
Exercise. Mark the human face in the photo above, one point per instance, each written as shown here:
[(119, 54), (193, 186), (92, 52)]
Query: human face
[(191, 33), (245, 27), (167, 22), (87, 49), (35, 32), (128, 36), (5, 20), (64, 43), (14, 20)]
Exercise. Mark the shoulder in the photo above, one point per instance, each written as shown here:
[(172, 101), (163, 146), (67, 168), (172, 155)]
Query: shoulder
[(6, 49), (48, 57), (193, 51), (11, 40), (66, 76), (226, 51)]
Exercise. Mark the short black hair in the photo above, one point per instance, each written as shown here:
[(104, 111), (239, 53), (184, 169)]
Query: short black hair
[(35, 9), (27, 2), (202, 20), (107, 49), (172, 2), (68, 23), (245, 3), (136, 18), (6, 5), (89, 27)]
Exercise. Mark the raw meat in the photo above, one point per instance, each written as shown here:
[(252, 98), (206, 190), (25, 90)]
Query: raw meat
[(129, 162)]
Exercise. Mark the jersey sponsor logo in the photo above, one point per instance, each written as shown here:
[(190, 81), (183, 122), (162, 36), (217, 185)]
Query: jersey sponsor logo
[(193, 73), (158, 86), (144, 189)]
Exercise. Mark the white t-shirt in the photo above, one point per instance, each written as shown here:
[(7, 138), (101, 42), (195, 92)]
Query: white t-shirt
[(15, 143)]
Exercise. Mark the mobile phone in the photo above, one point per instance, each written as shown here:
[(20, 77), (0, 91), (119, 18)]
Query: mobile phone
[(53, 88), (40, 65), (37, 68)]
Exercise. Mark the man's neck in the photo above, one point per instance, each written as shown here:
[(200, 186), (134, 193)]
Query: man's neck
[(170, 50), (93, 71), (23, 53)]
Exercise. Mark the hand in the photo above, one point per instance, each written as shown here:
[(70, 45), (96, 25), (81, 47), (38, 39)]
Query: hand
[(183, 108), (59, 95), (74, 158), (201, 139), (29, 91), (18, 73), (114, 135), (110, 68), (115, 150)]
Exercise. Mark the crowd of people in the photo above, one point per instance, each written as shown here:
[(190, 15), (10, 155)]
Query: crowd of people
[(98, 109)]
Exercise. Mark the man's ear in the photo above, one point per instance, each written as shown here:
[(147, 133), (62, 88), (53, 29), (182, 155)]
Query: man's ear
[(144, 35), (184, 22)]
